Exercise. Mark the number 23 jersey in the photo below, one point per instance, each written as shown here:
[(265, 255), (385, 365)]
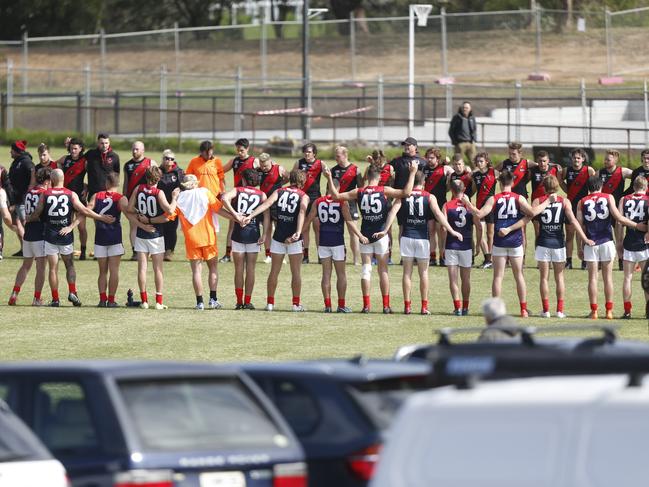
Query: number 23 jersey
[(57, 214), (374, 208)]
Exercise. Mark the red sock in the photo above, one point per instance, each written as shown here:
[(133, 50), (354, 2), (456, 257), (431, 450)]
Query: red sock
[(327, 302), (593, 306), (627, 307), (228, 250), (37, 295), (267, 252), (433, 255), (111, 298), (143, 297), (296, 300), (407, 304), (72, 287), (424, 304), (270, 300), (456, 304), (103, 297), (465, 304), (523, 306), (366, 301), (16, 289), (560, 305), (238, 291), (158, 298), (55, 294), (341, 302), (609, 305), (386, 300), (247, 299), (546, 305)]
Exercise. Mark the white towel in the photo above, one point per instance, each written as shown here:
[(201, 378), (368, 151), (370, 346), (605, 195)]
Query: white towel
[(194, 204)]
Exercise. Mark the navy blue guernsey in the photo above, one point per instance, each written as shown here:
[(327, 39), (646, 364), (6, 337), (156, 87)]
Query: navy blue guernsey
[(288, 209), (415, 213), (636, 208), (107, 203), (57, 214), (146, 203), (461, 220), (551, 222), (33, 230), (507, 212), (246, 201), (332, 223), (374, 208), (596, 213)]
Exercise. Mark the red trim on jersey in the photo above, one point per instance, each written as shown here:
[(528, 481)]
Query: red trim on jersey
[(311, 174), (434, 178), (578, 183), (138, 174), (74, 170), (347, 178), (270, 179), (520, 172), (247, 164), (613, 181), (484, 191), (540, 190), (386, 174)]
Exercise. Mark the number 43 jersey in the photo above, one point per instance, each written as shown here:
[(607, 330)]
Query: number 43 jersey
[(636, 208), (247, 201), (374, 210), (57, 214), (288, 209)]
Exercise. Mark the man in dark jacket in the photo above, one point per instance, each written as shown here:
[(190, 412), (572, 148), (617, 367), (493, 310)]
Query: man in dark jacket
[(463, 131), (20, 176), (99, 162), (401, 164)]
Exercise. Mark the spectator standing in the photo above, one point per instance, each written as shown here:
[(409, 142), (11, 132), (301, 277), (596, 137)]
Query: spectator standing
[(463, 131), (172, 177), (20, 175), (99, 162)]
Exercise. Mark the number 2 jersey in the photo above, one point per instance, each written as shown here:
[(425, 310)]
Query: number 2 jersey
[(107, 203), (636, 208), (33, 230), (245, 202), (598, 224), (146, 203), (461, 220), (551, 221), (57, 214), (288, 209), (332, 223), (415, 213), (374, 207), (506, 212)]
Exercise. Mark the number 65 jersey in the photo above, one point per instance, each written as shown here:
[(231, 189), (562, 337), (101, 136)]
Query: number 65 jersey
[(374, 210), (636, 208), (57, 214), (507, 212)]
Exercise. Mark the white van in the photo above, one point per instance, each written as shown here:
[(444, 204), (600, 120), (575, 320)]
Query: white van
[(586, 431)]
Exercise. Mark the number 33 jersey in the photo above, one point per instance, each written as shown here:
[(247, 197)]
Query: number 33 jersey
[(507, 212), (374, 208), (635, 207), (597, 217)]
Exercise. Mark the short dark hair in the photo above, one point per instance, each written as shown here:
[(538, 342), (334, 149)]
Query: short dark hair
[(515, 146), (77, 141), (297, 177), (579, 151), (112, 179), (251, 176), (540, 154), (419, 178), (43, 174), (205, 146), (373, 172), (506, 178), (103, 135), (594, 184), (310, 145), (245, 143)]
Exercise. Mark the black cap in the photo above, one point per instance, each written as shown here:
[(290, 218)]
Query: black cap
[(409, 141)]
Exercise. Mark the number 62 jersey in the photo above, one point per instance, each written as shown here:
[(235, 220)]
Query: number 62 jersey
[(247, 201)]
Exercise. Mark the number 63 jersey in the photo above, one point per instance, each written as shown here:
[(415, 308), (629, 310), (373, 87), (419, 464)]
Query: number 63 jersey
[(57, 214), (636, 208), (374, 210)]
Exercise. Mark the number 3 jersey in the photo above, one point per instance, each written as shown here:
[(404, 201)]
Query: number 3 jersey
[(34, 230), (57, 214), (374, 210), (245, 202), (415, 214), (461, 220), (332, 224), (506, 213), (598, 224), (288, 209), (635, 207), (146, 203), (107, 203), (551, 222)]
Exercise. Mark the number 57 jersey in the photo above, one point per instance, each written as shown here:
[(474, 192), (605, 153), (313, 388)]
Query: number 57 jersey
[(374, 210)]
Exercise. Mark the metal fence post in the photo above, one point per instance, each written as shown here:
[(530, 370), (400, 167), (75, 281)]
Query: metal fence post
[(263, 48), (537, 25), (379, 105), (519, 103), (442, 13), (86, 99), (607, 26), (116, 111), (352, 43), (237, 103), (79, 104), (177, 54), (25, 63), (10, 94), (102, 52), (646, 114), (584, 112), (163, 101), (309, 107)]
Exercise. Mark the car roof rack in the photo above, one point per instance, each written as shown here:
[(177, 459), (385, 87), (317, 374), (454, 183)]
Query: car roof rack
[(527, 333)]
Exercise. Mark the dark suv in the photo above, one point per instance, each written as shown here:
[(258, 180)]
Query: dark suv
[(339, 410), (155, 424)]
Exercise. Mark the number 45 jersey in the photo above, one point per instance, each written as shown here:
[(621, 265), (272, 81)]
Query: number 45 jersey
[(57, 214), (635, 207), (247, 201), (374, 210)]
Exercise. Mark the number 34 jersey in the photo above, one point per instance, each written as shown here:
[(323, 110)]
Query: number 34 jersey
[(374, 208), (288, 209), (636, 208), (247, 201), (57, 214), (507, 212)]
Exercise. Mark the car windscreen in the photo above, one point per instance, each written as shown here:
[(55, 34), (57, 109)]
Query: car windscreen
[(17, 442), (381, 399), (198, 414)]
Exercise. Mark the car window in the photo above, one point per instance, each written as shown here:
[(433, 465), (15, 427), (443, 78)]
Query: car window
[(62, 418), (380, 400), (297, 405), (17, 442), (191, 414)]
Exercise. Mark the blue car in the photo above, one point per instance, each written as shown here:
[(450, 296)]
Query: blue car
[(154, 424), (339, 410)]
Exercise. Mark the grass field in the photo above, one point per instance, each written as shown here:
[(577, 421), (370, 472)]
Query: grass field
[(226, 335)]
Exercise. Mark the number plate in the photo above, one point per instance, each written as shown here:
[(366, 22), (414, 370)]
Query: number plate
[(222, 479)]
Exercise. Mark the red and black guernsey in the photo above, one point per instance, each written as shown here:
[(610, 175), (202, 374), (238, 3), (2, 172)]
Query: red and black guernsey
[(386, 174), (313, 172), (146, 203), (107, 203), (134, 171), (467, 178), (638, 171), (270, 181), (288, 209), (520, 173), (58, 212), (33, 230), (374, 207), (245, 202), (239, 165), (538, 176), (486, 185), (347, 177), (74, 172), (435, 183), (576, 180), (612, 183)]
